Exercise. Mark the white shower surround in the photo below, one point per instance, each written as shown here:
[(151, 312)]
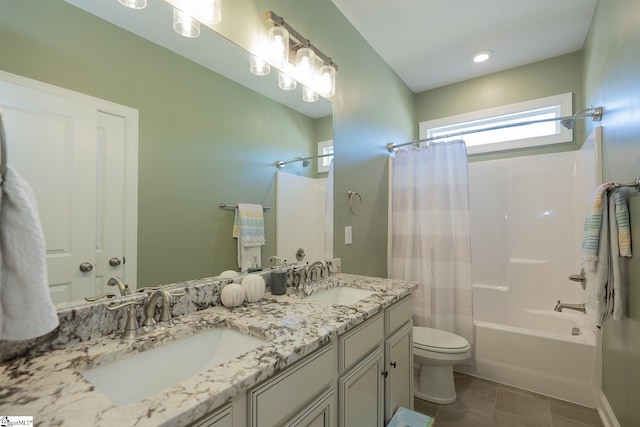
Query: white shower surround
[(526, 226)]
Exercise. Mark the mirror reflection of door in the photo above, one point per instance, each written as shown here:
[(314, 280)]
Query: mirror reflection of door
[(300, 203), (73, 156)]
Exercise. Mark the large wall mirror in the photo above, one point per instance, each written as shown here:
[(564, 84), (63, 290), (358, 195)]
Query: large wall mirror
[(210, 132)]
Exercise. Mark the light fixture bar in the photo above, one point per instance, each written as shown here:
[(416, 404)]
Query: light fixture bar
[(269, 15)]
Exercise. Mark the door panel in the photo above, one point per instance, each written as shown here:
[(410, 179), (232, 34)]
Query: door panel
[(51, 143), (110, 193)]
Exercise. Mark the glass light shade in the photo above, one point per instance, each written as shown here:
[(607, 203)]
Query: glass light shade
[(279, 46), (327, 84), (259, 67), (286, 82), (309, 95), (209, 11), (134, 4), (185, 25), (306, 64)]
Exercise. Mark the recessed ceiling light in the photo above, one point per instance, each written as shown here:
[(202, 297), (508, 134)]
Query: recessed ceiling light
[(482, 56)]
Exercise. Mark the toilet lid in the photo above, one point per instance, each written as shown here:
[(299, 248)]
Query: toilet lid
[(438, 341)]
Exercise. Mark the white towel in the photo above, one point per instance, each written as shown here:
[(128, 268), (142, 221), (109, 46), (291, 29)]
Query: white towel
[(26, 307), (248, 228)]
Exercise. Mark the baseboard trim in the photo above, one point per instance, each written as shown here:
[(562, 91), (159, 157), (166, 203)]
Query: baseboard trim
[(606, 413)]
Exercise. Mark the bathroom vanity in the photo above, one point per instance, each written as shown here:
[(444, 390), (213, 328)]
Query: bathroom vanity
[(320, 363)]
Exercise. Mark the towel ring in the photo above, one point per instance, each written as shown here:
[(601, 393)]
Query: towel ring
[(352, 194)]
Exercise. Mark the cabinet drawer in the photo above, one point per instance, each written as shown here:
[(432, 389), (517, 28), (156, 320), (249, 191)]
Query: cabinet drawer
[(221, 418), (280, 398), (357, 343), (399, 314)]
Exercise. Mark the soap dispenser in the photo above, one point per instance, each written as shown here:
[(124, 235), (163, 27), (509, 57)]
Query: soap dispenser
[(278, 277)]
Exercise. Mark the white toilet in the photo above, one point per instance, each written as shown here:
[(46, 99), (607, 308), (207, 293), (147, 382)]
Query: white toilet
[(435, 352)]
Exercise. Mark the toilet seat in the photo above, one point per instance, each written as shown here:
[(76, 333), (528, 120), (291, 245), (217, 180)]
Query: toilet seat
[(438, 341)]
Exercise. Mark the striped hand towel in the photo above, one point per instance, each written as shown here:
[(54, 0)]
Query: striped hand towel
[(622, 219), (592, 224), (248, 225)]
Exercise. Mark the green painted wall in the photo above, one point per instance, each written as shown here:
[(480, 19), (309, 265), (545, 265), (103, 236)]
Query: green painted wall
[(372, 106), (206, 140), (203, 138), (545, 78), (612, 64)]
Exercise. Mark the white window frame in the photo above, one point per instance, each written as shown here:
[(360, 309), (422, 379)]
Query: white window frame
[(563, 102), (324, 162)]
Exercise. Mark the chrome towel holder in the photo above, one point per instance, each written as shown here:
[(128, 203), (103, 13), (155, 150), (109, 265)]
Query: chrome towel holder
[(351, 195)]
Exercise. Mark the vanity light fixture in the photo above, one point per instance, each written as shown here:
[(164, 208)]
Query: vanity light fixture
[(284, 38), (208, 12), (481, 56), (279, 46), (259, 66), (327, 81), (185, 24), (134, 4), (309, 95), (286, 82), (306, 65)]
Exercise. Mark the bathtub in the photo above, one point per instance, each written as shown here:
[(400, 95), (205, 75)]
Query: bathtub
[(543, 351)]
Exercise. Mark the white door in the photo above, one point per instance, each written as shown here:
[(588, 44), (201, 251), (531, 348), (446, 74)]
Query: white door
[(296, 194), (65, 149), (110, 208)]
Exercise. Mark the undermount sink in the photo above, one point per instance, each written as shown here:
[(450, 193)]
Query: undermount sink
[(138, 377), (341, 295)]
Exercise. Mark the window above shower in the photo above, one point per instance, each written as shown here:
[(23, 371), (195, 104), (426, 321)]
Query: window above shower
[(505, 137), (325, 148)]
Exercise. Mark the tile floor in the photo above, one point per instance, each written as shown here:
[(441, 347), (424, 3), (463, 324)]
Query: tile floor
[(485, 403)]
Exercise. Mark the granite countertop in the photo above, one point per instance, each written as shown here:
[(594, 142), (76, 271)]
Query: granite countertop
[(51, 388)]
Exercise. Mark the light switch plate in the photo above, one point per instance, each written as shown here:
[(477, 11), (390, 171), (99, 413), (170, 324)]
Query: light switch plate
[(348, 235)]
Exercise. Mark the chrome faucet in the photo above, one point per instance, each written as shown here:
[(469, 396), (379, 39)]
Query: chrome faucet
[(123, 287), (165, 321), (308, 280), (578, 307)]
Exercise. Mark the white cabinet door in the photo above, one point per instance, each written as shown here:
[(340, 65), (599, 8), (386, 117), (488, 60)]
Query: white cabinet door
[(361, 393), (73, 156), (399, 364)]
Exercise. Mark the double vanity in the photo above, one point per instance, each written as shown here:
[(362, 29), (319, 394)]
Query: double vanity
[(341, 356)]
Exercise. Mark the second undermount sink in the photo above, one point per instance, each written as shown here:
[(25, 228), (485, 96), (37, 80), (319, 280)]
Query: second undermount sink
[(341, 295), (138, 377)]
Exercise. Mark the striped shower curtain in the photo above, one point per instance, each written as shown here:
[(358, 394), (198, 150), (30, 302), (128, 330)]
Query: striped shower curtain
[(430, 238)]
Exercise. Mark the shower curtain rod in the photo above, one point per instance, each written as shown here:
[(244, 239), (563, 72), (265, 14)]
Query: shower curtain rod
[(305, 160), (568, 122)]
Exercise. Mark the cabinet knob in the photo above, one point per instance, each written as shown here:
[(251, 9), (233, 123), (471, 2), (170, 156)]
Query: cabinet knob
[(114, 262), (385, 373), (393, 364)]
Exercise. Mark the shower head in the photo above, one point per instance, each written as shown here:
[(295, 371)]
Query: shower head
[(305, 162), (569, 123)]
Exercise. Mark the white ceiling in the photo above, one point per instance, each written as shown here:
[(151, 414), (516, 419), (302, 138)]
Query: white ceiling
[(429, 43)]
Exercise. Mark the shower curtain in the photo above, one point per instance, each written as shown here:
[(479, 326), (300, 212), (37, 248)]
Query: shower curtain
[(430, 239)]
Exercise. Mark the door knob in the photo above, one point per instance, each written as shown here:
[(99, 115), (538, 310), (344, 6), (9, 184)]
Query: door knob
[(114, 262), (86, 267)]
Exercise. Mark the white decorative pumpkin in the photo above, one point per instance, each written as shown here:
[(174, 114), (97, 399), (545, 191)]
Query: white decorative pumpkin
[(228, 274), (232, 295), (254, 286)]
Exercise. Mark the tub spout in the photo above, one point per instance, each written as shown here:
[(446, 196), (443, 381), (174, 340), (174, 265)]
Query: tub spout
[(578, 307)]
